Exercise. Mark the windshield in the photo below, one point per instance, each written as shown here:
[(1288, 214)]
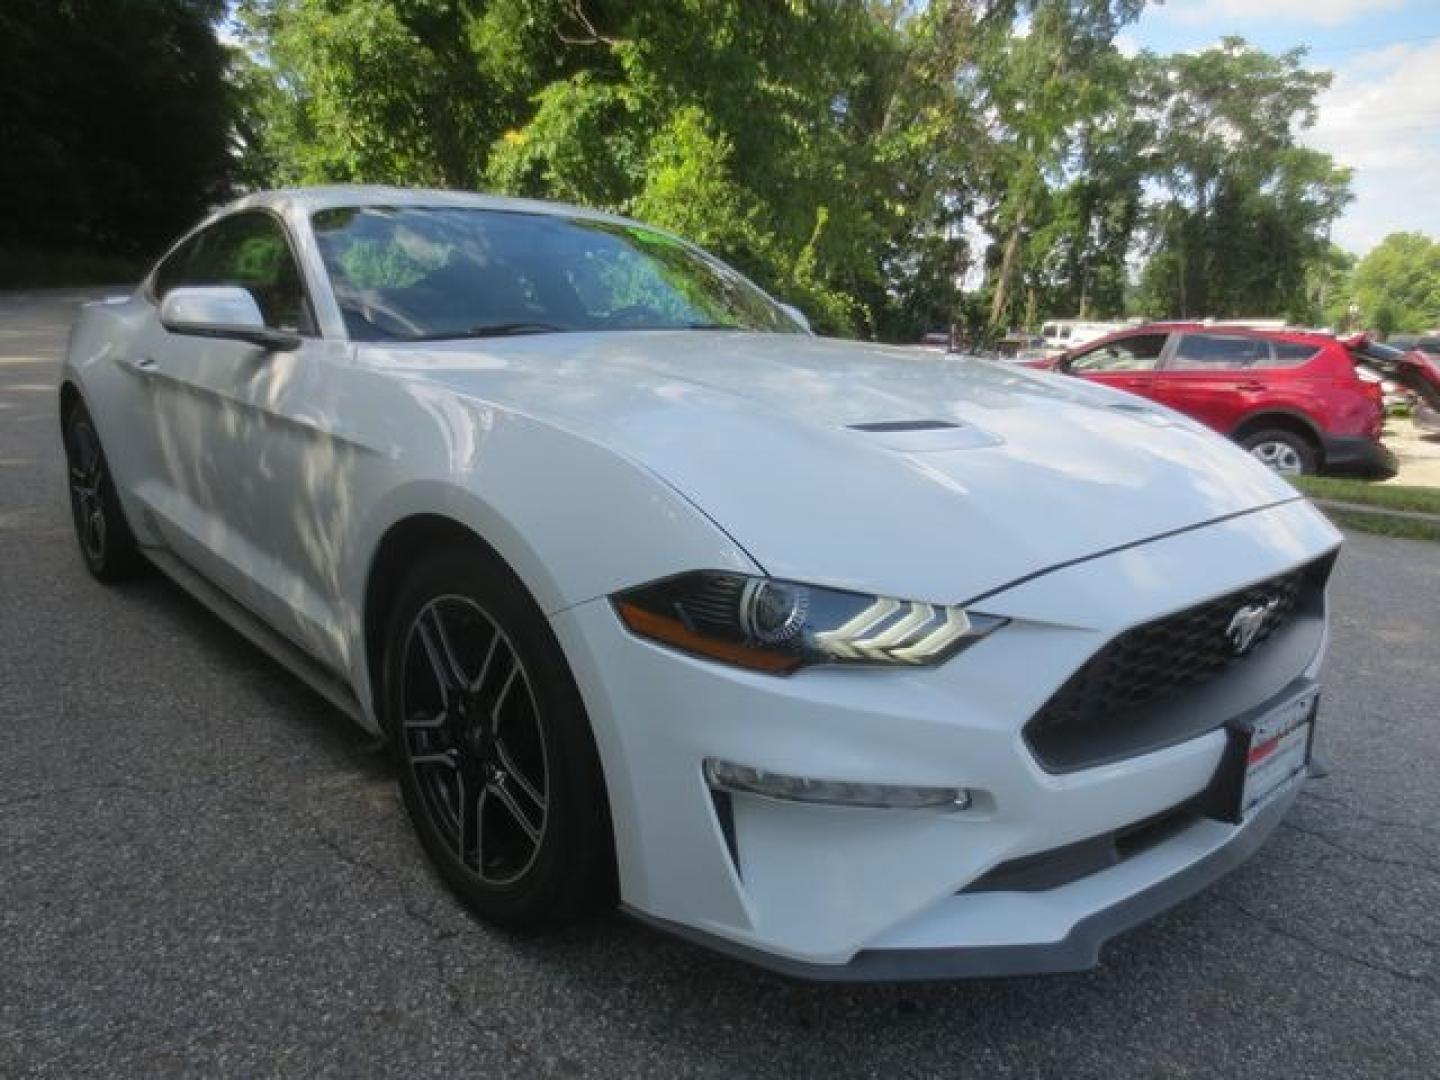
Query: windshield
[(427, 273)]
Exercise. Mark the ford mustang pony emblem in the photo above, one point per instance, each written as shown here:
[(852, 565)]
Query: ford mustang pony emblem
[(1248, 623)]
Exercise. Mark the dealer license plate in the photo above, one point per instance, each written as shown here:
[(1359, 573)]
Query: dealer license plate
[(1279, 749)]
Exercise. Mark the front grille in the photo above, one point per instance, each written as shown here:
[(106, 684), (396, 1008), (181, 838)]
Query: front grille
[(1155, 663)]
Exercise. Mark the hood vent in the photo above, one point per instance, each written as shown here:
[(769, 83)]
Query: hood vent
[(923, 436), (905, 425)]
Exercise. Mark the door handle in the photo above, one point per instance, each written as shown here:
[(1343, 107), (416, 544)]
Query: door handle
[(145, 365), (1250, 387)]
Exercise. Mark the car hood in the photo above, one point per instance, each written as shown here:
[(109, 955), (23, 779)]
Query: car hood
[(886, 469)]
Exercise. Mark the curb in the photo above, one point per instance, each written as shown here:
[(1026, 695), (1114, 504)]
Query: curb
[(1377, 511)]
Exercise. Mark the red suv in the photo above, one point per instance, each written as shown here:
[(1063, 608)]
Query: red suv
[(1290, 397)]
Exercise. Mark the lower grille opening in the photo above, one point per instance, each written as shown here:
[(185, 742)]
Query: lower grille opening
[(1060, 866)]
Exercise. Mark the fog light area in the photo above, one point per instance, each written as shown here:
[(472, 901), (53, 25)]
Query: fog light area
[(728, 776)]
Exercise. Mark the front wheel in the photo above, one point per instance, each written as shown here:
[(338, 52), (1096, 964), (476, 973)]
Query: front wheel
[(498, 768), (106, 542), (1284, 451)]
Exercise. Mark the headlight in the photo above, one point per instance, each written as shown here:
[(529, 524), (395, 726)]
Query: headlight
[(778, 626)]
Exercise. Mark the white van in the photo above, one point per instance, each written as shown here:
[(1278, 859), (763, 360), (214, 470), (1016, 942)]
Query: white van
[(1062, 334)]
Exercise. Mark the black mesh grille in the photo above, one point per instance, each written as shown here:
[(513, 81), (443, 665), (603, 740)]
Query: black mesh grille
[(1160, 659)]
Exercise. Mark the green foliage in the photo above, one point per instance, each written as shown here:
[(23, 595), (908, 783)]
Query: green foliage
[(1327, 288), (861, 158), (1244, 212), (383, 91), (115, 121), (1386, 525), (1397, 285), (1424, 500)]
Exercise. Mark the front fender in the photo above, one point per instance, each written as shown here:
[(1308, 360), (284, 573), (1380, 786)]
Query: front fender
[(573, 519), (101, 336)]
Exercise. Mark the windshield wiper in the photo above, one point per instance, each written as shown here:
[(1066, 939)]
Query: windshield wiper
[(711, 326), (504, 329)]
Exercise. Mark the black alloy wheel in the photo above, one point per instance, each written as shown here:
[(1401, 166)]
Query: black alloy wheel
[(106, 542), (498, 765)]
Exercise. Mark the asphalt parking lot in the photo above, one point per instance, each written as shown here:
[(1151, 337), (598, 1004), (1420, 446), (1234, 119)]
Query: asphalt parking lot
[(205, 870)]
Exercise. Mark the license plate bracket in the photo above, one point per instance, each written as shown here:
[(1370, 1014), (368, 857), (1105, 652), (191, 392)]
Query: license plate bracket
[(1266, 751)]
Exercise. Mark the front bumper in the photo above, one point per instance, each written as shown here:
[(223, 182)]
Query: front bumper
[(1357, 455), (851, 893), (1111, 907)]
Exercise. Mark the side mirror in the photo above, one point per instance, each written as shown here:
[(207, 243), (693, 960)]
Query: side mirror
[(798, 315), (221, 311)]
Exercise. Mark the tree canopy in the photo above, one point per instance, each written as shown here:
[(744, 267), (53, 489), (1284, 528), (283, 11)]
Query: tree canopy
[(1244, 210), (888, 165), (860, 157), (1397, 285)]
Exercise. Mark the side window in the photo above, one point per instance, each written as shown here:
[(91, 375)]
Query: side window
[(1138, 353), (172, 271), (1290, 354), (250, 250), (1215, 352)]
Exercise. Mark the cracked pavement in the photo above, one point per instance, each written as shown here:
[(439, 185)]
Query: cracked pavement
[(205, 870)]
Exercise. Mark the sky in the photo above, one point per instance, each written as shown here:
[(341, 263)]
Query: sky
[(1381, 115)]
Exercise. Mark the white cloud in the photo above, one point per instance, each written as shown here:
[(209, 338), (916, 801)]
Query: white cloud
[(1382, 118), (1322, 12)]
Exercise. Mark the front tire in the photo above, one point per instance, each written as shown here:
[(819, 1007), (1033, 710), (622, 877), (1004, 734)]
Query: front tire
[(106, 543), (1284, 451), (498, 767)]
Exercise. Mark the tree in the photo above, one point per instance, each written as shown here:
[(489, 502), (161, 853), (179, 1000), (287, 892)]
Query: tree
[(1397, 285), (834, 149), (1043, 88), (1328, 290), (861, 158), (115, 122), (1243, 210)]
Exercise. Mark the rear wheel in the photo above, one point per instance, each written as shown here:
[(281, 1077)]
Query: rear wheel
[(106, 542), (1284, 451), (498, 767)]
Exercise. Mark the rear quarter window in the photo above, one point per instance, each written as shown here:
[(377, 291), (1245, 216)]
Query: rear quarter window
[(1290, 354)]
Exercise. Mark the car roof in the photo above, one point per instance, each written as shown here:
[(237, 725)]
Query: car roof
[(1171, 326), (307, 200)]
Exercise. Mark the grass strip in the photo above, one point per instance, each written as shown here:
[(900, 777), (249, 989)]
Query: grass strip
[(1383, 525), (1425, 500)]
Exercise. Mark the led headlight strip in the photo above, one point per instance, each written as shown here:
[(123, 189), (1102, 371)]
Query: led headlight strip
[(922, 631), (779, 626)]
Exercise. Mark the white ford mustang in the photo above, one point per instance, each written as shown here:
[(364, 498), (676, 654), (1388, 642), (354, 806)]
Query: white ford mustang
[(856, 661)]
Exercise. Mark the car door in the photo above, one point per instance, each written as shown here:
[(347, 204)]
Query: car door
[(247, 467), (1126, 363), (1216, 378)]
